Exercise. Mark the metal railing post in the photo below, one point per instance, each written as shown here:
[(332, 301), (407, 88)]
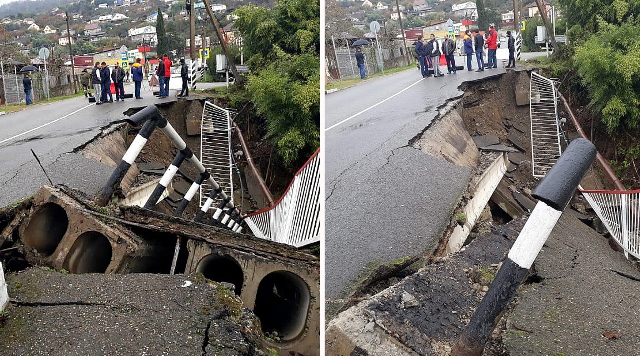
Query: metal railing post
[(167, 177), (554, 193)]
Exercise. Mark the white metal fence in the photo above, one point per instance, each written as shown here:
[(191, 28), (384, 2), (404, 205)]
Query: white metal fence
[(545, 133), (620, 214), (295, 218), (215, 150), (618, 210)]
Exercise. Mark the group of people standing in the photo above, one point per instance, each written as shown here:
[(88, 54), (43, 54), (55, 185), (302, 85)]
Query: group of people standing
[(477, 45), (429, 55), (101, 79)]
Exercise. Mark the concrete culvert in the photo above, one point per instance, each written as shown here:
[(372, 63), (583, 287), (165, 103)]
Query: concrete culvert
[(222, 269), (90, 253), (46, 228), (282, 304)]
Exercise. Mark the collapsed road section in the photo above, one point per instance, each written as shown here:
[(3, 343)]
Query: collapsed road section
[(70, 231)]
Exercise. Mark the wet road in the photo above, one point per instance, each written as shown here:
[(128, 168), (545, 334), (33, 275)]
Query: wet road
[(53, 130), (385, 199)]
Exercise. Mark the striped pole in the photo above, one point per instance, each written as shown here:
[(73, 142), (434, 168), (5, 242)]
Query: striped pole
[(518, 45), (127, 160), (167, 177), (207, 204), (554, 193), (148, 116), (190, 193)]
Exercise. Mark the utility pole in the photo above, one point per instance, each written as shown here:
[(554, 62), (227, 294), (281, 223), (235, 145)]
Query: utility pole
[(516, 18), (404, 40), (73, 72), (543, 14), (192, 31), (230, 60)]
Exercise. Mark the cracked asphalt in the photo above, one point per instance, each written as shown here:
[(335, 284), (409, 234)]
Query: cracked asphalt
[(52, 131), (385, 199)]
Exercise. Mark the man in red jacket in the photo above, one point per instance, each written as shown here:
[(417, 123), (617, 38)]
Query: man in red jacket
[(167, 74), (492, 45)]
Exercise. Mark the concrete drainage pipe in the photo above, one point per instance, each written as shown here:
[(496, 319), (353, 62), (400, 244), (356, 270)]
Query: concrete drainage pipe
[(282, 304), (46, 228), (222, 269), (90, 253)]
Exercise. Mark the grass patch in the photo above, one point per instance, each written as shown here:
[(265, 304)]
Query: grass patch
[(345, 83)]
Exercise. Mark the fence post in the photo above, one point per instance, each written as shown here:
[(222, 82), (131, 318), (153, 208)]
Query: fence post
[(554, 193)]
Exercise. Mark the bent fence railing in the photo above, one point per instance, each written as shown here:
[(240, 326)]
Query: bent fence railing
[(619, 210), (544, 124), (295, 218), (215, 150)]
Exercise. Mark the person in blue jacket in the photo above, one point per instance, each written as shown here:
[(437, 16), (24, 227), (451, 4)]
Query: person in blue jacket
[(468, 48), (421, 52), (138, 76), (26, 82)]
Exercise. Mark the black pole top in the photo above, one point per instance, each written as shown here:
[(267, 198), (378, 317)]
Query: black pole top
[(149, 112)]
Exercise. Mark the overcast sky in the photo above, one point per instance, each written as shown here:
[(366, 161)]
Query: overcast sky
[(2, 2)]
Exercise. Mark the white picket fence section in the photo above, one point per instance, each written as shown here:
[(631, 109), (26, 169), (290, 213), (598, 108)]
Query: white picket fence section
[(618, 210), (545, 132), (215, 150), (295, 219), (620, 214)]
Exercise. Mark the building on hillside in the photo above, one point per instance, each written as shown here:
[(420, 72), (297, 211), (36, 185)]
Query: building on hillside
[(467, 10), (153, 17), (220, 8), (144, 35), (419, 5), (92, 29), (71, 33), (34, 27), (110, 56), (381, 6), (49, 30), (532, 9), (103, 6), (105, 18), (118, 17), (63, 41), (367, 3), (394, 15)]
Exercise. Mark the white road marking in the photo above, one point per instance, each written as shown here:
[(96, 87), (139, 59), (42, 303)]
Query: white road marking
[(372, 106), (43, 125)]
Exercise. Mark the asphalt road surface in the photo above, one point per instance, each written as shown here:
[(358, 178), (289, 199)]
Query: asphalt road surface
[(385, 199), (52, 131)]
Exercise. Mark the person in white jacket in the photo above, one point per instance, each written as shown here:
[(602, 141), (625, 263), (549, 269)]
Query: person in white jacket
[(435, 56)]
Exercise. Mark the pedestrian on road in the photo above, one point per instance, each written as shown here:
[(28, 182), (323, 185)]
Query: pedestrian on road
[(468, 48), (478, 43), (160, 74), (360, 62), (449, 51), (492, 46), (511, 44), (421, 52), (167, 74), (435, 56), (26, 82), (184, 74), (105, 75), (127, 80), (85, 81), (136, 72), (117, 76), (96, 81)]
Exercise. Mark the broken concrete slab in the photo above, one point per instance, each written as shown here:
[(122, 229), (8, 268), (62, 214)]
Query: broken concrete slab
[(511, 167), (503, 198), (524, 201), (522, 97), (515, 139), (517, 157), (499, 148), (145, 166), (485, 140), (193, 126), (520, 127)]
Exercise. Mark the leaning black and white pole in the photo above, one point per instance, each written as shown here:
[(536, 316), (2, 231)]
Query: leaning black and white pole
[(554, 193), (167, 177)]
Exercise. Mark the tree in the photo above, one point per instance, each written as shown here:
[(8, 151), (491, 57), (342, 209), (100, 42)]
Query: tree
[(483, 20), (283, 45), (607, 65), (586, 13), (163, 45)]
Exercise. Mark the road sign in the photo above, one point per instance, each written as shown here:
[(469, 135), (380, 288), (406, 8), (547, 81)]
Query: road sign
[(450, 26), (124, 64), (522, 25), (44, 53), (374, 26), (204, 53)]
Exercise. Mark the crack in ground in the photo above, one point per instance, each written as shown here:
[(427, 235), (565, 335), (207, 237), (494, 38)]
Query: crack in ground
[(17, 172), (391, 155), (626, 275), (439, 115), (205, 341), (51, 304)]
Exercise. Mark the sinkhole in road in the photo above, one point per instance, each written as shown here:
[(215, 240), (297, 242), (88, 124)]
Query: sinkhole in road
[(46, 228)]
